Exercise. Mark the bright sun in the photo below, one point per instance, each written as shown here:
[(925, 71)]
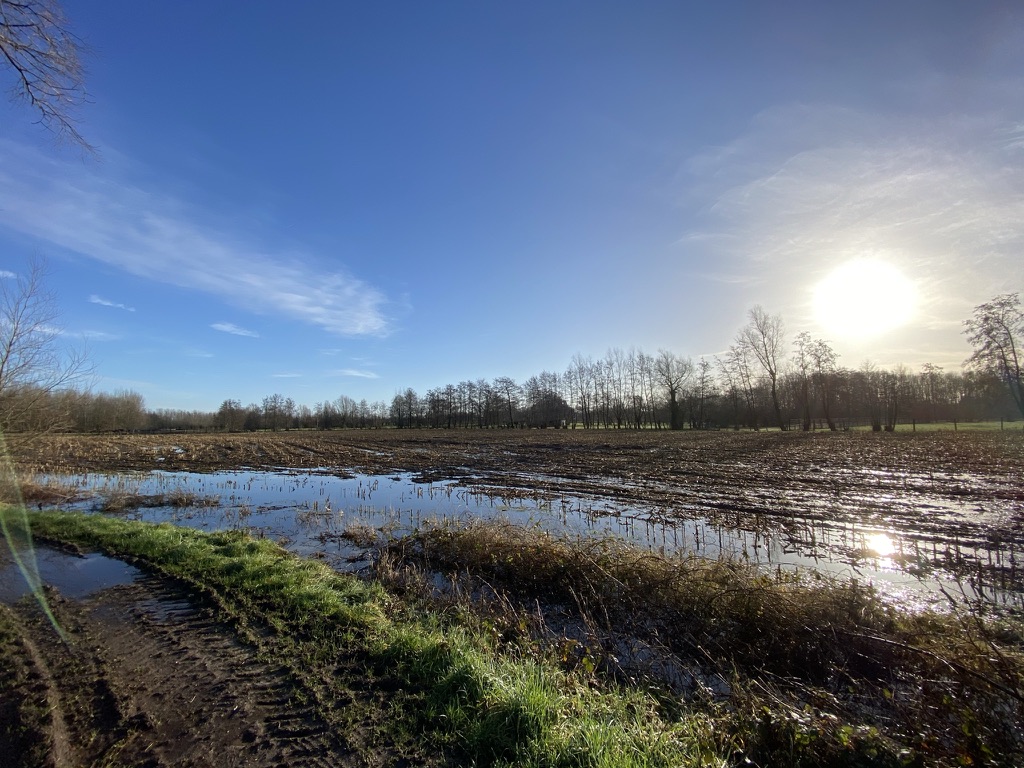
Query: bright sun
[(864, 298)]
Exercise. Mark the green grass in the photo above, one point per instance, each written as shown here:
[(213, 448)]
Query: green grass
[(453, 688), (949, 426)]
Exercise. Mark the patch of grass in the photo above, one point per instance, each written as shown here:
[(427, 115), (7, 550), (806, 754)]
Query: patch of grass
[(452, 686), (944, 426), (124, 500)]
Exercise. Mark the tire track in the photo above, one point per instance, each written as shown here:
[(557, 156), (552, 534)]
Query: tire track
[(153, 679)]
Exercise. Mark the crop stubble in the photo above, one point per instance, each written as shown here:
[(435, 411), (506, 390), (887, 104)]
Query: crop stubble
[(947, 487)]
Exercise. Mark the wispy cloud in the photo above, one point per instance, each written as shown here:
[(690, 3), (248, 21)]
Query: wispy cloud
[(810, 187), (234, 329), (160, 238), (92, 335), (5, 275), (355, 373), (94, 299), (286, 375)]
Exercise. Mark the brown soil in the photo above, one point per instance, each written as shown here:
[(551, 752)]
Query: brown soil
[(149, 678), (888, 479), (578, 456), (153, 679)]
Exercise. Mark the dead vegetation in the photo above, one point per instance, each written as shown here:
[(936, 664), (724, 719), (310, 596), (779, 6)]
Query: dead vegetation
[(793, 665), (120, 500), (953, 499)]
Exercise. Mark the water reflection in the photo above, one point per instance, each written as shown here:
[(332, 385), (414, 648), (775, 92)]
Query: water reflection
[(76, 577), (880, 544), (333, 518)]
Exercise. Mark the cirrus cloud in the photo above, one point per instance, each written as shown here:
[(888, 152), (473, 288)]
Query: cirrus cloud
[(810, 187), (356, 373), (234, 330), (157, 237), (94, 299)]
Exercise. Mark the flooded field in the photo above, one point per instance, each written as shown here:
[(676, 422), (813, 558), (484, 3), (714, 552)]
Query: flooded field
[(914, 514)]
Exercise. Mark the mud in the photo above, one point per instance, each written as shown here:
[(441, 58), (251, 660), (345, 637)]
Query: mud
[(149, 677), (949, 490)]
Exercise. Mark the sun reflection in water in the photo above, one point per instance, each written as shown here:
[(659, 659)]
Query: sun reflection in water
[(880, 544)]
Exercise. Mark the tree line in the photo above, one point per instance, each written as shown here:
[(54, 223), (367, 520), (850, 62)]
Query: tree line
[(760, 382)]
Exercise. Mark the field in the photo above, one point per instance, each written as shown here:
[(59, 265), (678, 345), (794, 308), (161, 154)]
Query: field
[(951, 502), (733, 664)]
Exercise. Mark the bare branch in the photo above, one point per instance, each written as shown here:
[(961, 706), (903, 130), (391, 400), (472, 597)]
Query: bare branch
[(995, 331), (45, 57), (35, 364)]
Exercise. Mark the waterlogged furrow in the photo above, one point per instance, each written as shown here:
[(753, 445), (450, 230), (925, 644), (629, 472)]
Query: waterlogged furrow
[(949, 505)]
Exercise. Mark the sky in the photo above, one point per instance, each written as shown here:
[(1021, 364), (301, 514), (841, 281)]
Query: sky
[(324, 198)]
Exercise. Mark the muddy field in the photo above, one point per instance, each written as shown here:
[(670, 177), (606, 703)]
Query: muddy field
[(659, 467), (959, 495), (126, 690)]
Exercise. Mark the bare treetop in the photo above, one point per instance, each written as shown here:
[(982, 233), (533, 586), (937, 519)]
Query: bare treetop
[(995, 331), (35, 364), (36, 43), (763, 337)]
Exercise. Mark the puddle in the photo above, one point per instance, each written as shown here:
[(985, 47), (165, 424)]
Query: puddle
[(73, 576), (317, 514)]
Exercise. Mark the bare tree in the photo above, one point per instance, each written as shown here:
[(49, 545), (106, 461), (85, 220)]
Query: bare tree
[(763, 337), (637, 366), (278, 412), (45, 56), (996, 332), (510, 392), (803, 345), (739, 377), (35, 363), (580, 377), (825, 372), (231, 416), (672, 372), (702, 392), (869, 388)]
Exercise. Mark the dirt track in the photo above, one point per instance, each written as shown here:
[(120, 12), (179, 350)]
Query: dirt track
[(151, 679)]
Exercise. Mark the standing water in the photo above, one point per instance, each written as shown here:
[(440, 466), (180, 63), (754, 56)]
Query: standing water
[(334, 518)]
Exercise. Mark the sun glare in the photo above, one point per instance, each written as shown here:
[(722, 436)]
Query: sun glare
[(864, 298), (880, 544)]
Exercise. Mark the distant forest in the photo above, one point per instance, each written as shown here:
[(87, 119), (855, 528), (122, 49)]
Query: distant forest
[(757, 384), (760, 382), (623, 390)]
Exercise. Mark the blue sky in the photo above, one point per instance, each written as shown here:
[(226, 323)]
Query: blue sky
[(327, 198)]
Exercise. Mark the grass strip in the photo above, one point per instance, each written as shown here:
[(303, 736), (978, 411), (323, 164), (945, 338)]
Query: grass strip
[(477, 704)]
